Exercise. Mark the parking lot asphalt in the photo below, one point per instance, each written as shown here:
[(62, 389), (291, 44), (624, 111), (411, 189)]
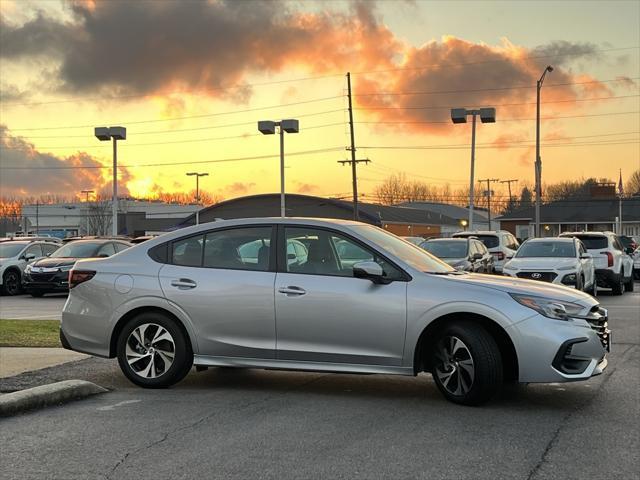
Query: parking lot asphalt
[(226, 423), (25, 307)]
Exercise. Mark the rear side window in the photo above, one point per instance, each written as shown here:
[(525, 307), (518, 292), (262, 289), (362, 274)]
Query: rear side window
[(188, 252), (120, 246), (592, 242), (490, 241), (49, 249), (239, 249)]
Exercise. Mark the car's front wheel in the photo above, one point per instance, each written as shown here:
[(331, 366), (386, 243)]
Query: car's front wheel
[(466, 363), (11, 282), (153, 351)]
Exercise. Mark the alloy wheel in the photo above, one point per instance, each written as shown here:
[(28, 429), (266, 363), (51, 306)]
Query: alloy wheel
[(11, 283), (150, 350), (455, 368)]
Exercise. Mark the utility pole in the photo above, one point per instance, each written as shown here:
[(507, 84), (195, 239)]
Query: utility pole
[(509, 182), (353, 161), (37, 217), (489, 182), (538, 163), (355, 182), (197, 175)]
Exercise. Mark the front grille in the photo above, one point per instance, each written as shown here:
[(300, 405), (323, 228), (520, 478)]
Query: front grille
[(43, 277), (599, 321), (542, 276)]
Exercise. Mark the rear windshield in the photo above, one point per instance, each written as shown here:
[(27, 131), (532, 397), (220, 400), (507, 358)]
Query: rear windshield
[(451, 249), (546, 249), (591, 242), (77, 250), (490, 241)]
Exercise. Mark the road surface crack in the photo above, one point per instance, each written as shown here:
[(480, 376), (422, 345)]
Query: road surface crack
[(565, 420)]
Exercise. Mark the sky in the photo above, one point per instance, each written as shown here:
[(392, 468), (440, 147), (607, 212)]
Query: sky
[(190, 80)]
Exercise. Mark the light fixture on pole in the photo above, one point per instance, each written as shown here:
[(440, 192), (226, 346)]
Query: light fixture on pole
[(538, 165), (459, 115), (86, 200), (116, 133), (197, 175), (268, 127)]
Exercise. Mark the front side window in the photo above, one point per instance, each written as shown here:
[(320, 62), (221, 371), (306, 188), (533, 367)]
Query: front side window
[(49, 249), (329, 253), (106, 250), (35, 250), (238, 249)]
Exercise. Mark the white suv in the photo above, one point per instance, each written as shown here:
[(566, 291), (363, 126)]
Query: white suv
[(14, 257), (502, 245), (614, 267)]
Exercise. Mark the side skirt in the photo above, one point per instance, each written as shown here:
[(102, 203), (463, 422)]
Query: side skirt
[(241, 362)]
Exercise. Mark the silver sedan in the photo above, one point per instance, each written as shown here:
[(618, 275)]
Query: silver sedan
[(347, 297)]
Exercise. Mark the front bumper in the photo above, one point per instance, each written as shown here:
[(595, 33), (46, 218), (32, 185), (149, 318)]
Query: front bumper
[(54, 282), (561, 351)]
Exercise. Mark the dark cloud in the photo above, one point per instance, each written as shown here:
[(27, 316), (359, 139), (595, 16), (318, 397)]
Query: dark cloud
[(239, 188), (11, 93), (52, 179), (144, 47)]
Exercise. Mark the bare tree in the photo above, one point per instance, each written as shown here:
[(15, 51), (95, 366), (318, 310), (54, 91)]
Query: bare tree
[(99, 216), (633, 184)]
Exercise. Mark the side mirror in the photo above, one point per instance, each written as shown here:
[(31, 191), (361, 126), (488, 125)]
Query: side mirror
[(291, 256), (477, 256), (103, 255), (30, 256), (585, 256), (629, 250), (369, 270)]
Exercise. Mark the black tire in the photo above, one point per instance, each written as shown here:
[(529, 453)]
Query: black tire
[(182, 352), (636, 273), (618, 288), (36, 293), (12, 282), (629, 285), (594, 288), (580, 284), (486, 364)]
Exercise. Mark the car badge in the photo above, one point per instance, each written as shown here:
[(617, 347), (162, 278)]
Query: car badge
[(536, 275)]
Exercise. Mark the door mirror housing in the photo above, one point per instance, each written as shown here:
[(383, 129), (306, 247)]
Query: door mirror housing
[(476, 256), (103, 255), (371, 271), (629, 250), (29, 256)]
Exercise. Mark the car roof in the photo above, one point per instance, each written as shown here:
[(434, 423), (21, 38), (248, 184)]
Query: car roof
[(479, 232), (552, 239), (452, 240), (98, 241), (593, 234)]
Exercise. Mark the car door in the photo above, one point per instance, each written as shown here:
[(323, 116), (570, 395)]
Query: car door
[(626, 263), (228, 298), (324, 314), (586, 263)]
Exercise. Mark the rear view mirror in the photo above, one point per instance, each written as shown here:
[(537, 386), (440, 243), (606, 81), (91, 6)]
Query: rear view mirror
[(477, 256), (369, 270), (291, 256)]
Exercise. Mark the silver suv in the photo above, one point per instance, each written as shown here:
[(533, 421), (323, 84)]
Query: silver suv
[(358, 299), (15, 255), (614, 266), (502, 245)]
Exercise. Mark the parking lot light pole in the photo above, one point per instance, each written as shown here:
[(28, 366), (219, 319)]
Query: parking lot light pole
[(268, 127), (115, 134), (459, 115), (538, 167), (197, 175)]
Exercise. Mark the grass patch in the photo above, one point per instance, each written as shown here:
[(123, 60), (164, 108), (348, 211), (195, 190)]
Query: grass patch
[(29, 333)]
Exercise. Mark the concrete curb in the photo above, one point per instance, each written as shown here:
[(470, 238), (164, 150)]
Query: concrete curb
[(46, 395)]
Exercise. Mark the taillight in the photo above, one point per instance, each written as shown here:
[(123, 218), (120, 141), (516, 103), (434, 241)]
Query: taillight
[(609, 258), (498, 255), (76, 277)]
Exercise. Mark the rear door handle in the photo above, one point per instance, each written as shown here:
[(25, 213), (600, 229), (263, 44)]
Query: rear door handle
[(183, 283), (292, 290)]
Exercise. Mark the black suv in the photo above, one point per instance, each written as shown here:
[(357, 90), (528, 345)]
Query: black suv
[(52, 274)]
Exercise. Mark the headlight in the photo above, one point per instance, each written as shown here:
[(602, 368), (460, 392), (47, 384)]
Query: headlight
[(66, 268), (568, 267), (549, 307), (27, 269)]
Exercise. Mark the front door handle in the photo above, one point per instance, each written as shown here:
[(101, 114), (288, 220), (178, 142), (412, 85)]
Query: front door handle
[(292, 290), (184, 283)]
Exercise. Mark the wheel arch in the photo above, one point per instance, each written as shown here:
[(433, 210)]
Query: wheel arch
[(507, 349), (122, 321)]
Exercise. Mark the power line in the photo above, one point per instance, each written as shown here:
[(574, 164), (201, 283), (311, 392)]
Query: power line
[(194, 162), (482, 62), (499, 104), (515, 87), (490, 146)]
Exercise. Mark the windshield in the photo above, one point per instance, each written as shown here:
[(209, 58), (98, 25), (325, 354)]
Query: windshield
[(592, 241), (490, 241), (546, 249), (410, 254), (8, 250), (450, 249), (77, 250)]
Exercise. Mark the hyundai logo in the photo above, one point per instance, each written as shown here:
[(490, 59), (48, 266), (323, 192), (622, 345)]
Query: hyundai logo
[(536, 275)]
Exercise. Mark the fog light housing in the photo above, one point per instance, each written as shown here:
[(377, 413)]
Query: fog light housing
[(566, 362), (569, 279)]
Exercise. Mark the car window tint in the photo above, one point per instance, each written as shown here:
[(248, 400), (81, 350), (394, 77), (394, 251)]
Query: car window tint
[(329, 253), (238, 249), (106, 249), (447, 248), (593, 241), (188, 252), (34, 250), (49, 249), (121, 246)]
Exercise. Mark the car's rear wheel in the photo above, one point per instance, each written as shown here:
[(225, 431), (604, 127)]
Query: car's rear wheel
[(629, 285), (153, 351), (11, 284), (466, 363), (618, 288)]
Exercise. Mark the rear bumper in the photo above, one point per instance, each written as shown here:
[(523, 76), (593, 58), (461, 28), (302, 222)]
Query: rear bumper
[(607, 277)]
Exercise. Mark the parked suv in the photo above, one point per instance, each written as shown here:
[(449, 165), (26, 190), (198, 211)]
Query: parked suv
[(502, 245), (614, 267), (15, 255)]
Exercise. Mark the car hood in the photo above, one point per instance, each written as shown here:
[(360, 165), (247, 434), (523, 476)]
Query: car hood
[(54, 262), (453, 261), (525, 287), (541, 263)]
